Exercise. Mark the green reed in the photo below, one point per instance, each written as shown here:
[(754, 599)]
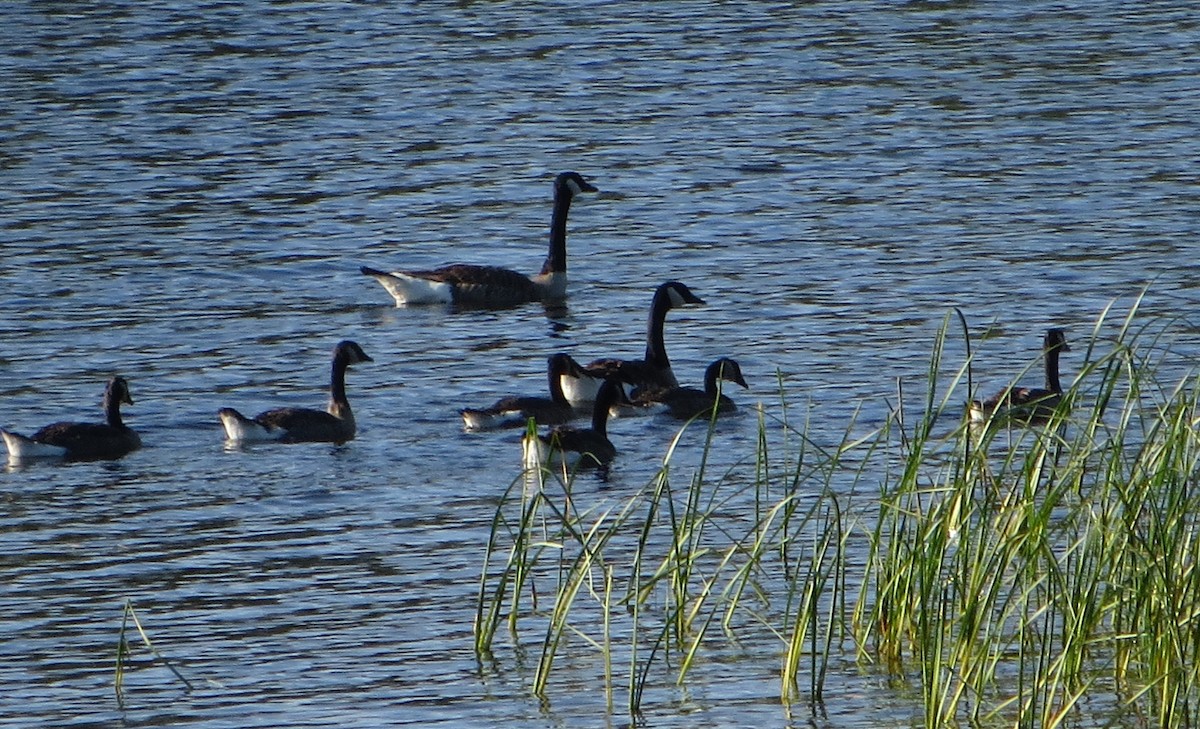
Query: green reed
[(1011, 565), (665, 566), (1008, 571), (129, 616)]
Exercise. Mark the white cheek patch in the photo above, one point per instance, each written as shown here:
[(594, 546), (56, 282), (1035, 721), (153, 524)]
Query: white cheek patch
[(354, 355), (574, 187), (676, 297), (579, 390)]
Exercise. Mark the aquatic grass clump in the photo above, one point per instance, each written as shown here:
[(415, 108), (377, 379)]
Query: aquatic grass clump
[(644, 580), (1016, 570), (1005, 572)]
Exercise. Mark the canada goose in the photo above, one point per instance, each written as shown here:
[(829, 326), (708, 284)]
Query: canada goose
[(1033, 404), (82, 441), (654, 370), (515, 411), (582, 447), (303, 425), (493, 286), (688, 402)]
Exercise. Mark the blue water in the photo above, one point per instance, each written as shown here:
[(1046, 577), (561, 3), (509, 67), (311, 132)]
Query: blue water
[(187, 191)]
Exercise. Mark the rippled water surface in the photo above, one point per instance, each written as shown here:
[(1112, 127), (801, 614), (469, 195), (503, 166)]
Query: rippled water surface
[(187, 191)]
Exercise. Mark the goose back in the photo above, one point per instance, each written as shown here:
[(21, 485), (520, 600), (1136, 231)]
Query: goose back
[(685, 403), (515, 411)]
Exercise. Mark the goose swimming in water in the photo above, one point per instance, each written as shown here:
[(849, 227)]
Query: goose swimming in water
[(579, 447), (493, 286), (1032, 404), (82, 441), (686, 403), (653, 370), (516, 411), (303, 425)]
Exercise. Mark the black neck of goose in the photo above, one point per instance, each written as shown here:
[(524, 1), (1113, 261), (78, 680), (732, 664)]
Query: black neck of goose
[(337, 381), (656, 348), (604, 400), (710, 380), (556, 261), (112, 409), (1052, 382)]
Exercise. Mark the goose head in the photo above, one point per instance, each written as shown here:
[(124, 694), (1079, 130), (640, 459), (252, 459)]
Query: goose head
[(726, 369), (564, 364), (117, 391), (572, 184), (348, 353), (1056, 341), (676, 294)]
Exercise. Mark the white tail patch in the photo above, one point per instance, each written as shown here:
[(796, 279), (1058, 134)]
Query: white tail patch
[(534, 477), (241, 429), (541, 462), (539, 457), (410, 290), (533, 452), (976, 412), (20, 447), (490, 420), (554, 284)]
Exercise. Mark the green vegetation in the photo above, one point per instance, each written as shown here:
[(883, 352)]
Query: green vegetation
[(130, 616), (1002, 574)]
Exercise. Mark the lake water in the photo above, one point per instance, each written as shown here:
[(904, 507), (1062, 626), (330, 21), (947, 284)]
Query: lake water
[(187, 191)]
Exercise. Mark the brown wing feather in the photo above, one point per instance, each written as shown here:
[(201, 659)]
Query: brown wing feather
[(688, 402), (305, 425), (636, 372), (1024, 403), (582, 441), (484, 284), (89, 440)]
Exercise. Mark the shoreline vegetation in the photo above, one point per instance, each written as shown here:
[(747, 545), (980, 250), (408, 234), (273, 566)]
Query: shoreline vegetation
[(997, 575)]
